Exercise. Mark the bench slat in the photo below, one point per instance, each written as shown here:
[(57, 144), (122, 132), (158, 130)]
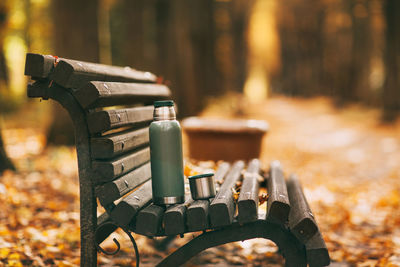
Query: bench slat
[(149, 220), (104, 94), (115, 144), (127, 208), (278, 205), (74, 74), (197, 216), (220, 174), (112, 191), (317, 253), (175, 218), (198, 212), (38, 89), (222, 208), (109, 170), (248, 198), (105, 120), (104, 230), (38, 66), (301, 220)]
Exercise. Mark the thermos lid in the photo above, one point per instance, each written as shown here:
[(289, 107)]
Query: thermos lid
[(164, 103), (202, 186), (201, 175)]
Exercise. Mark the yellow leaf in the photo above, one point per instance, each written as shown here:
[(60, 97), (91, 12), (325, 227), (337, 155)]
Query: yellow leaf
[(14, 263), (14, 256), (64, 264), (4, 252)]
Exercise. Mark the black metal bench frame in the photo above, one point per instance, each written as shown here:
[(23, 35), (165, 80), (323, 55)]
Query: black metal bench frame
[(289, 221)]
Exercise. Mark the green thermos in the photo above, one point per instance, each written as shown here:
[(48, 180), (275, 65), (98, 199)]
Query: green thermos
[(166, 155)]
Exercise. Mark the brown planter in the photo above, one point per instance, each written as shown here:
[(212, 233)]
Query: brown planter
[(222, 139)]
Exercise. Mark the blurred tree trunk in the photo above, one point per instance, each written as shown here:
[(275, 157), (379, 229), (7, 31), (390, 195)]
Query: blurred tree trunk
[(300, 31), (185, 39), (391, 92), (76, 29), (127, 30), (5, 162), (361, 51), (75, 37), (3, 66), (179, 65), (241, 11), (337, 39)]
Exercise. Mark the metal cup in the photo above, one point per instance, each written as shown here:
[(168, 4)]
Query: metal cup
[(202, 186)]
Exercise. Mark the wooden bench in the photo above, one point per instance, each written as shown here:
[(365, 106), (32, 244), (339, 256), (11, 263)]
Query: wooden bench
[(111, 108)]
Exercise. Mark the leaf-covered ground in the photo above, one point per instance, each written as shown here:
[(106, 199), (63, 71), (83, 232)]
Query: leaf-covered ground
[(348, 162)]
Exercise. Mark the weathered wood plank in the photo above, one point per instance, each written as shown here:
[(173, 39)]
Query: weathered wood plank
[(129, 206), (116, 144), (105, 120), (39, 66), (222, 208), (112, 191), (301, 220), (175, 218), (220, 174), (149, 220), (278, 205), (248, 198), (109, 170), (197, 216), (74, 74), (317, 253), (104, 229), (38, 89), (103, 94)]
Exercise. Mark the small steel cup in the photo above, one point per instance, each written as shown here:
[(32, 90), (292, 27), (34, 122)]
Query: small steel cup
[(202, 186)]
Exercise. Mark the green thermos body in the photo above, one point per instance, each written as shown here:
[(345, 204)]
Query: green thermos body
[(166, 155)]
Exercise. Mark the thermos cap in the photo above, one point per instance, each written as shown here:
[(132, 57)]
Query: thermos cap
[(164, 103), (202, 186), (201, 175)]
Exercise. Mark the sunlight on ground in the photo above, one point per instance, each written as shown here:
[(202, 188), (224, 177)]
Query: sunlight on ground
[(22, 142)]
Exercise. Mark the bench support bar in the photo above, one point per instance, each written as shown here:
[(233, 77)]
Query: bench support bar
[(293, 251)]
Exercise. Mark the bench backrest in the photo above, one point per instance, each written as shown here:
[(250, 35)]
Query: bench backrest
[(111, 108)]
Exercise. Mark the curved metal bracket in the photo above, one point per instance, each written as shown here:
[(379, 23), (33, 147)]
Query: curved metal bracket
[(292, 250), (108, 252), (99, 248), (135, 247)]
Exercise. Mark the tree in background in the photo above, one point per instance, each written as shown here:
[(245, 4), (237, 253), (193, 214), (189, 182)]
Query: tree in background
[(5, 162), (75, 34), (391, 92), (199, 47), (334, 48)]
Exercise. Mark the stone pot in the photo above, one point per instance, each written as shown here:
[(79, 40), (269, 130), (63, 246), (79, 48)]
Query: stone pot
[(224, 139)]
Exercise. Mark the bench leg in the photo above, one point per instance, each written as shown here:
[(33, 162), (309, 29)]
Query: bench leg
[(88, 227), (86, 189), (293, 251)]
